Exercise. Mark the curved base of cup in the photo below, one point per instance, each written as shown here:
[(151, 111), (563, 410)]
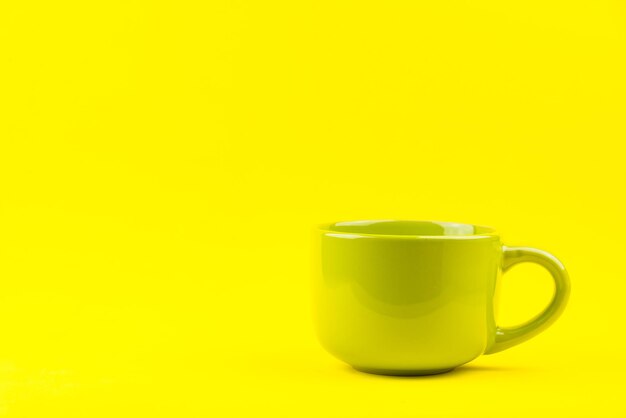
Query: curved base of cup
[(392, 372)]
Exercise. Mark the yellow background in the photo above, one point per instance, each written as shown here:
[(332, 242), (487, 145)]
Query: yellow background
[(162, 165)]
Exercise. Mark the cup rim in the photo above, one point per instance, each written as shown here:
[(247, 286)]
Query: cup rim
[(478, 231)]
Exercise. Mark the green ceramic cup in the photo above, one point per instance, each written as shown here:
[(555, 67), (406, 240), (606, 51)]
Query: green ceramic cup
[(417, 297)]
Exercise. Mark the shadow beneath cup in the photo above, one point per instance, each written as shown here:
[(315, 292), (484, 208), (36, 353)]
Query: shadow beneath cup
[(459, 371)]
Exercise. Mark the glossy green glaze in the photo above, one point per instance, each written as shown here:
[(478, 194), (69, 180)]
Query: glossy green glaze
[(414, 298)]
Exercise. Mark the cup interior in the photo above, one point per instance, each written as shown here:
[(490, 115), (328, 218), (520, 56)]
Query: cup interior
[(415, 228)]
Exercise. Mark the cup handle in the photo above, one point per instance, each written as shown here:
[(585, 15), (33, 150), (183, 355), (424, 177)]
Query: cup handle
[(508, 337)]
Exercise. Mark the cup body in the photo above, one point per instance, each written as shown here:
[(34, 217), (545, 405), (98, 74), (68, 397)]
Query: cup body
[(403, 297)]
